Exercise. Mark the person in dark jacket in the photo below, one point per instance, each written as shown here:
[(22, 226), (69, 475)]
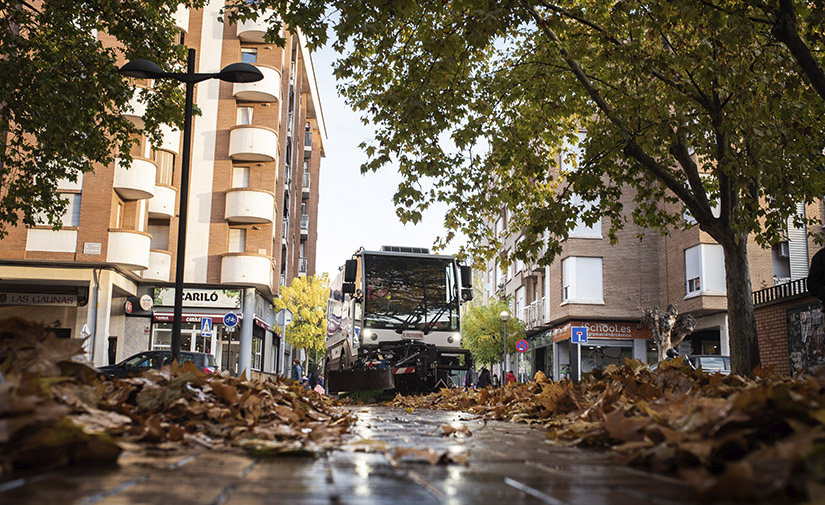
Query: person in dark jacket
[(312, 378), (484, 378), (816, 276)]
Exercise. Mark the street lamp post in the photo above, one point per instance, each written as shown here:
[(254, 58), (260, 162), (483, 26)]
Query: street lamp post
[(504, 316), (145, 69)]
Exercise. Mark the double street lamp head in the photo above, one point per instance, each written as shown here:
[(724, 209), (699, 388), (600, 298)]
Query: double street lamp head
[(234, 72)]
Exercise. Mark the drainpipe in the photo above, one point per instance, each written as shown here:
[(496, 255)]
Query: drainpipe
[(93, 296)]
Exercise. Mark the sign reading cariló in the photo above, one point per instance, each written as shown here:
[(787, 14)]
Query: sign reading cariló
[(228, 298)]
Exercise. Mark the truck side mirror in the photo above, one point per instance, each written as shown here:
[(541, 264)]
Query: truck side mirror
[(350, 270), (466, 282)]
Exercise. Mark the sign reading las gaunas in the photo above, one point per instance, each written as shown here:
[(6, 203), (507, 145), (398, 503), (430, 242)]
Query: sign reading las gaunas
[(63, 300), (228, 298)]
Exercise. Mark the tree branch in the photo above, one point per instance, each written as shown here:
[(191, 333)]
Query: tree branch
[(786, 31)]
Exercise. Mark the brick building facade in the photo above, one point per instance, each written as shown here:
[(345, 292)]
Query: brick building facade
[(252, 214)]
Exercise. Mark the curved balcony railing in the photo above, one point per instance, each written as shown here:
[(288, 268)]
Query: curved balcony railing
[(267, 89), (181, 18), (171, 139), (247, 269), (253, 143), (135, 181), (162, 205), (160, 266), (136, 110), (253, 30), (129, 249), (247, 205)]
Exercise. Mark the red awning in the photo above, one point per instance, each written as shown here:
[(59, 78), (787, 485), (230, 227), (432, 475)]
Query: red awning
[(163, 316)]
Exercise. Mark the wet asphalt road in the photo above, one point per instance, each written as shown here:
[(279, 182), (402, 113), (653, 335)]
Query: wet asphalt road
[(506, 463)]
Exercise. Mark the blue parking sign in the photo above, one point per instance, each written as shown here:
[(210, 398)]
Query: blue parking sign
[(578, 334), (206, 326)]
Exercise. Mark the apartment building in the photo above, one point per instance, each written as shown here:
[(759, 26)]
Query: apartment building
[(604, 288), (108, 274)]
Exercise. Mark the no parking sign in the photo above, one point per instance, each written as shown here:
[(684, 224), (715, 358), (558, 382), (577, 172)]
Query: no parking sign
[(522, 346)]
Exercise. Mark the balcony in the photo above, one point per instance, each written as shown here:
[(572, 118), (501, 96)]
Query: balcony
[(181, 18), (160, 266), (171, 139), (135, 182), (253, 30), (162, 205), (535, 314), (129, 249), (253, 143), (305, 186), (252, 206), (304, 225), (266, 90), (136, 109), (247, 269)]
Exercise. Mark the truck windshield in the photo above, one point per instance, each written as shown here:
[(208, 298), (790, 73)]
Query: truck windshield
[(410, 293)]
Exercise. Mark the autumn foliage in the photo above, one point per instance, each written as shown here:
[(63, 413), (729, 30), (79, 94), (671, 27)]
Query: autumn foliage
[(55, 412), (728, 436)]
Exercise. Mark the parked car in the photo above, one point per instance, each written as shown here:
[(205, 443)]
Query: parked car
[(711, 363), (154, 360)]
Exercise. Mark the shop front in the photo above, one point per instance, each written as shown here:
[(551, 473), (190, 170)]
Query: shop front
[(254, 315), (608, 343)]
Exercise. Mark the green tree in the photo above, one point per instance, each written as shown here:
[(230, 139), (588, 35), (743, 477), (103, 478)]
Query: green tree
[(307, 299), (482, 332), (61, 96), (691, 107)]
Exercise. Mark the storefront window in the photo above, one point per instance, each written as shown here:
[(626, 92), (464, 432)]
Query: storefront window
[(257, 352)]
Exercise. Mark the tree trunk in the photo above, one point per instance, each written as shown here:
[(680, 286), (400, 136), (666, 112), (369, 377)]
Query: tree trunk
[(744, 347)]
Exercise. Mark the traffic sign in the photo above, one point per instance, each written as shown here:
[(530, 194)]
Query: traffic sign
[(522, 346), (283, 317), (578, 334), (206, 327), (230, 320)]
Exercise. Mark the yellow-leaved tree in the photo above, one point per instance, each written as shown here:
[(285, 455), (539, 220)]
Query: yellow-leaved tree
[(307, 299)]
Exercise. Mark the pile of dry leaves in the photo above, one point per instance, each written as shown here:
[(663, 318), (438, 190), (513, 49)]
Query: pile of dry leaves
[(54, 411), (734, 437)]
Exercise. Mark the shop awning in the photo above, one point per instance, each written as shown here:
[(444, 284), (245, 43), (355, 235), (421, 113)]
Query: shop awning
[(166, 316)]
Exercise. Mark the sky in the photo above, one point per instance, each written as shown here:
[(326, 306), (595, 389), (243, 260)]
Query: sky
[(356, 210)]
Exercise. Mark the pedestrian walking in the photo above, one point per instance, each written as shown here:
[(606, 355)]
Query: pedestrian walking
[(297, 370), (510, 377), (496, 382), (484, 378), (312, 378)]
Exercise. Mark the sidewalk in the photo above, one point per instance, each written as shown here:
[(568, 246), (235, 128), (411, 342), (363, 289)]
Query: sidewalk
[(506, 463)]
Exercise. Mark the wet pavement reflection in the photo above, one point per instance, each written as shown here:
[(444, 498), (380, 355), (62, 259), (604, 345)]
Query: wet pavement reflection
[(498, 463)]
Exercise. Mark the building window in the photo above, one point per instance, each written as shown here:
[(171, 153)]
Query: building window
[(71, 216), (240, 177), (704, 270), (582, 280), (245, 115), (249, 55), (237, 240), (581, 230), (165, 161), (257, 352)]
